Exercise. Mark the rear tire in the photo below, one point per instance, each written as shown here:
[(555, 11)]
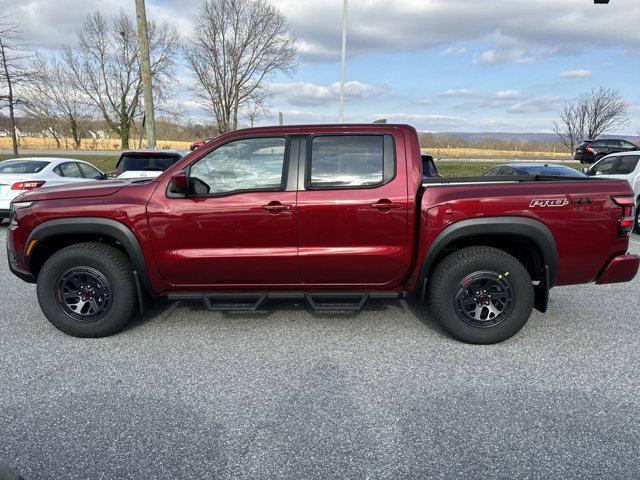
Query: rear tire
[(87, 290), (481, 295)]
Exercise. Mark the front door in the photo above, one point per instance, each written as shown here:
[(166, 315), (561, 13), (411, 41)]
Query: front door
[(239, 229), (353, 210)]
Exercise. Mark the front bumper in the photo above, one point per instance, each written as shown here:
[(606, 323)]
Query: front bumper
[(622, 268)]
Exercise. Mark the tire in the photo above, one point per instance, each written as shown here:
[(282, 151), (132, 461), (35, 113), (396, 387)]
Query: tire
[(108, 298), (509, 286), (7, 473), (636, 225)]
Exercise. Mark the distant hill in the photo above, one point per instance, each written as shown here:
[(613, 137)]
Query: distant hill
[(519, 137)]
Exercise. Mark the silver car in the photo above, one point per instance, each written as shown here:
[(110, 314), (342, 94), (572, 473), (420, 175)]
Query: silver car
[(22, 174)]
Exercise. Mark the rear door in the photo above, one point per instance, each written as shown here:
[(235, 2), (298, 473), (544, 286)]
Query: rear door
[(353, 209)]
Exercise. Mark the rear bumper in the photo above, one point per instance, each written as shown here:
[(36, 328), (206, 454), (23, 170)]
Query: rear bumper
[(584, 157), (620, 269)]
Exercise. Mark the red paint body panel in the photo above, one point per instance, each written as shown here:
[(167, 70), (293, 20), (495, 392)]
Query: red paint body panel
[(622, 268), (329, 239)]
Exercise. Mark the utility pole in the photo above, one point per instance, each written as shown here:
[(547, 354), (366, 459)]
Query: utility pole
[(145, 67), (344, 59)]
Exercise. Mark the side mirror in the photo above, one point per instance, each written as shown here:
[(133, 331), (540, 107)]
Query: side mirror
[(584, 170), (178, 182)]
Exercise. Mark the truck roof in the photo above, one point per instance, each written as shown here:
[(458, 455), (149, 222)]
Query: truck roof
[(340, 126)]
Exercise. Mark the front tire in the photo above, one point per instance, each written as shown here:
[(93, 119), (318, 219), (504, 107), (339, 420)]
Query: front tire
[(481, 295), (87, 290)]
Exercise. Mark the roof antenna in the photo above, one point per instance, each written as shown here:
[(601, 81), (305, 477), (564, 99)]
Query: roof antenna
[(382, 120)]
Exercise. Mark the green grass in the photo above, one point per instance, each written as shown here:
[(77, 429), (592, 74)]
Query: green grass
[(106, 163), (475, 169)]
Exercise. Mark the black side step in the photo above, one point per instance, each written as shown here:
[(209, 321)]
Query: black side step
[(318, 301), (336, 302), (233, 302)]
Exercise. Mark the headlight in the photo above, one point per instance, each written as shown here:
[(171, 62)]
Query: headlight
[(14, 207)]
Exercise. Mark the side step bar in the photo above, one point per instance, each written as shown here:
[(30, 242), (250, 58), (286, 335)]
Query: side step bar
[(318, 301)]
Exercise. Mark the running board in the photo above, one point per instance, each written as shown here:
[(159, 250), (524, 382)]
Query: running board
[(318, 301)]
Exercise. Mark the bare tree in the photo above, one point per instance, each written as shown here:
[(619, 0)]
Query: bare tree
[(256, 107), (106, 68), (237, 45), (13, 73), (53, 99), (590, 115)]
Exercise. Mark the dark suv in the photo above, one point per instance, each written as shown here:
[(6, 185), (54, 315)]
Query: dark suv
[(590, 151)]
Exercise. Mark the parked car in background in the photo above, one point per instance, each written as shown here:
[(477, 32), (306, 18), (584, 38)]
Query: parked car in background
[(201, 143), (544, 169), (22, 174), (622, 166), (144, 163), (591, 151)]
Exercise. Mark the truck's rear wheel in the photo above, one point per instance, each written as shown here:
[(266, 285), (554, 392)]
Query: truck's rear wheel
[(87, 290), (481, 295)]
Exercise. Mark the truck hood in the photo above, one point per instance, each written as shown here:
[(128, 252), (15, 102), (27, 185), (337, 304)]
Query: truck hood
[(99, 188)]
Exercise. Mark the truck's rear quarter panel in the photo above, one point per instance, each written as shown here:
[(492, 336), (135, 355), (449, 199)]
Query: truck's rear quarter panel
[(585, 228)]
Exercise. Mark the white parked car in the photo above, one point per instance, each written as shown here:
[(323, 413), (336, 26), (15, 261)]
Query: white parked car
[(22, 174), (144, 163), (622, 165)]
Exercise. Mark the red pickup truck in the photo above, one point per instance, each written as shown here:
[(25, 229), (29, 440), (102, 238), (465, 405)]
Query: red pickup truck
[(334, 215)]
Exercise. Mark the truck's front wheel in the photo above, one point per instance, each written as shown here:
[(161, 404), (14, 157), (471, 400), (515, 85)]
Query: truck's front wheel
[(481, 295), (87, 290)]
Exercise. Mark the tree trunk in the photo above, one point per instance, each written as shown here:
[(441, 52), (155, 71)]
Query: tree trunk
[(75, 134), (12, 117)]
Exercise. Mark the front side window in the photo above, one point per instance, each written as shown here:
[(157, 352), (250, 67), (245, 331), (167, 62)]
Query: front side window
[(90, 172), (603, 167), (242, 165), (351, 161), (624, 165)]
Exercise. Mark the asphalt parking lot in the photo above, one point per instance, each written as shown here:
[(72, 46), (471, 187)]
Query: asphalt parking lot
[(285, 393)]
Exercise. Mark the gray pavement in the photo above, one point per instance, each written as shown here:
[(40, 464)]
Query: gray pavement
[(285, 393)]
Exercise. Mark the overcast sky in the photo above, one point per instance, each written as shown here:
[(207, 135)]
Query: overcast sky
[(441, 65)]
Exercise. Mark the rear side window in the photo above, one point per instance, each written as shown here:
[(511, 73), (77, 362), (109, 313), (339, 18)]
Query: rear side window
[(22, 167), (351, 161), (145, 162)]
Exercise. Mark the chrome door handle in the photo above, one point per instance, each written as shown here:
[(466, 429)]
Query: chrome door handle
[(274, 207)]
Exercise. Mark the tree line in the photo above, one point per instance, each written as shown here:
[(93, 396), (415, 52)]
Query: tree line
[(235, 48)]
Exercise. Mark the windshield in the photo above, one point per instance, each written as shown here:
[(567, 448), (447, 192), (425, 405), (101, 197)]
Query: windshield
[(23, 167), (146, 162)]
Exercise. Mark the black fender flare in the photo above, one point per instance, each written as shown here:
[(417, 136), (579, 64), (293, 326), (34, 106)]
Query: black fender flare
[(100, 226), (533, 230)]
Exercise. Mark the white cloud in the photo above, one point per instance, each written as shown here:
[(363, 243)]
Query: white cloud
[(580, 73), (454, 51), (536, 105), (517, 30), (423, 119), (508, 94), (459, 92), (310, 94)]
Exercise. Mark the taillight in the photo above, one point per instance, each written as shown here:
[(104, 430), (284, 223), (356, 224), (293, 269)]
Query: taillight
[(27, 185), (627, 218), (588, 148)]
